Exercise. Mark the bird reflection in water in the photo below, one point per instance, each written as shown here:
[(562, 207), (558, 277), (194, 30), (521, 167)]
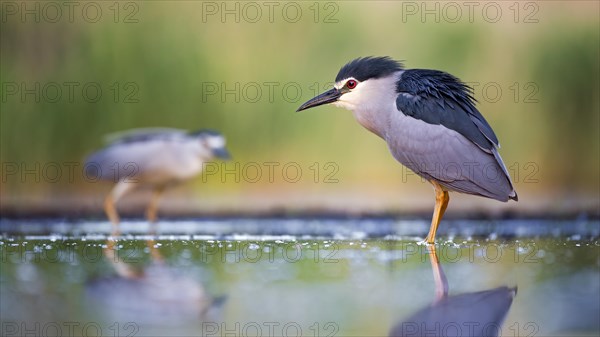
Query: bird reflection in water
[(472, 314), (157, 295)]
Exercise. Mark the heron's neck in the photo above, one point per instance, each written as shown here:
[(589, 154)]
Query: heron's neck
[(376, 104), (373, 120)]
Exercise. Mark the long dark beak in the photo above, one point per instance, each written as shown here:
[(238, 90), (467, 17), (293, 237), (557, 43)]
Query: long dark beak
[(221, 153), (324, 98)]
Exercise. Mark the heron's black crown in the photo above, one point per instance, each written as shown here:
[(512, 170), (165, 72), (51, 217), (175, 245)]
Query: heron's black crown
[(364, 68)]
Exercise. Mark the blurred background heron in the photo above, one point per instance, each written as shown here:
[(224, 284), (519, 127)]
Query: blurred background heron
[(155, 158)]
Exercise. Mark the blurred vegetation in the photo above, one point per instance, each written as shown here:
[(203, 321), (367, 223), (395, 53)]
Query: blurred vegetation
[(166, 60)]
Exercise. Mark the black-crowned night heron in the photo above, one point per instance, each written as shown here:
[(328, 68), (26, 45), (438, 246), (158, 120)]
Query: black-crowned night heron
[(429, 121), (158, 158)]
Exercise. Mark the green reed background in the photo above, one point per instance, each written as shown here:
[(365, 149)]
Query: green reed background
[(155, 60)]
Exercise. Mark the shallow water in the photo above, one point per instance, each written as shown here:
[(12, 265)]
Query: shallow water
[(290, 277)]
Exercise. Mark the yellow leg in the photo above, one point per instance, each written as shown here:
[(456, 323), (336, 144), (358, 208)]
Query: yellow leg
[(152, 209), (120, 189), (110, 210), (441, 283), (441, 202)]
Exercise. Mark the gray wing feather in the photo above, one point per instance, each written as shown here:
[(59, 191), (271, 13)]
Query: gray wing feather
[(132, 153), (436, 97), (117, 162), (132, 160), (449, 158), (151, 156)]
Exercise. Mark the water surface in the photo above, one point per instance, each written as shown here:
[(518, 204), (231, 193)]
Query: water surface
[(290, 277)]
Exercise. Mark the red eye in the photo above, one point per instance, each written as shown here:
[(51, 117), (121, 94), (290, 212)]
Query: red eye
[(351, 84)]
